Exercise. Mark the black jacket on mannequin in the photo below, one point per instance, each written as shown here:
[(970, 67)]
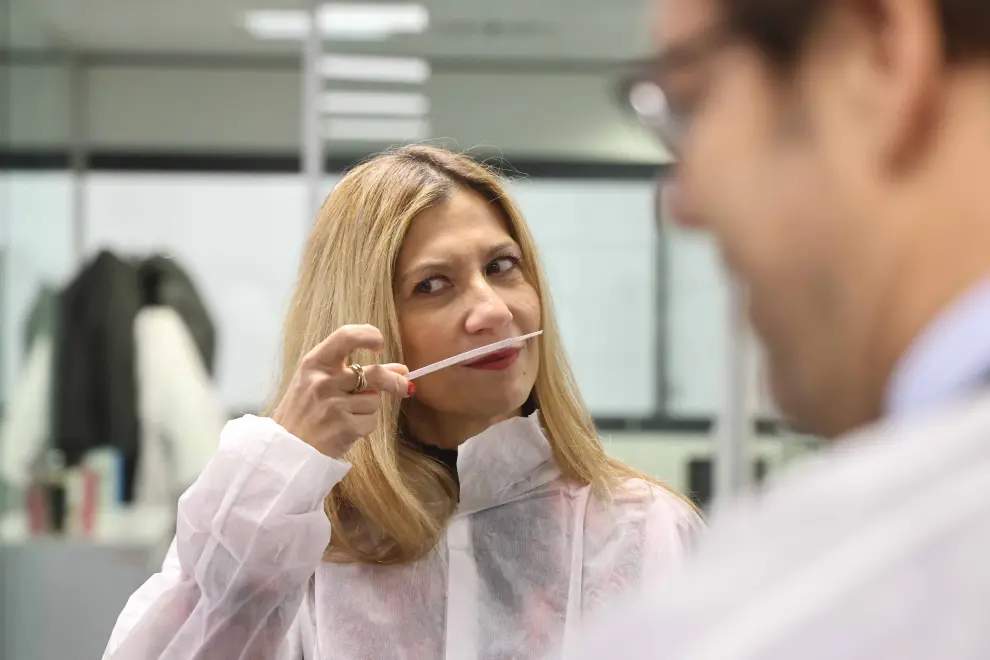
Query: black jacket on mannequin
[(95, 382), (163, 282)]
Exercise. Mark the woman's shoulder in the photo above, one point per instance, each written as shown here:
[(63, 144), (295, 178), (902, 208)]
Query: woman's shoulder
[(638, 497), (645, 518)]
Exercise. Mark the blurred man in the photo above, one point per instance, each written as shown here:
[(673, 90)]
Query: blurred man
[(839, 152)]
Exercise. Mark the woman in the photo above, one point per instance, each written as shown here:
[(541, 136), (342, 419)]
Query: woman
[(465, 523)]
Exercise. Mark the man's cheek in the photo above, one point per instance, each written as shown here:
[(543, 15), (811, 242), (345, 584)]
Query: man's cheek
[(675, 206)]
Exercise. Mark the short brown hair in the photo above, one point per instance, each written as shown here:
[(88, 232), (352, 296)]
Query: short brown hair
[(780, 28)]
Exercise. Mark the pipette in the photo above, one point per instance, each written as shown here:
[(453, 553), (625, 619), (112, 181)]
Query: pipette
[(471, 355)]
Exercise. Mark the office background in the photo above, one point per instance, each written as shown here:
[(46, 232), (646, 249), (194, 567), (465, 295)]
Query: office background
[(175, 128)]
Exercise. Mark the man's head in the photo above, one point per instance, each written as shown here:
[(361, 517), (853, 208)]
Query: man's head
[(839, 151)]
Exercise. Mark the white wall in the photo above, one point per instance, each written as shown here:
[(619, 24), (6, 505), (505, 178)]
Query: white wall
[(36, 209), (134, 108), (598, 243)]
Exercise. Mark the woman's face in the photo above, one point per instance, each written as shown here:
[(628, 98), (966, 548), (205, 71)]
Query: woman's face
[(460, 283)]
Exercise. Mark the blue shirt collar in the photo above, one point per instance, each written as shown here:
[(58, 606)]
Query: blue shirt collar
[(948, 361)]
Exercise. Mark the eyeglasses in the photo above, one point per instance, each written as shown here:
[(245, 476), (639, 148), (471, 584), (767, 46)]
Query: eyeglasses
[(641, 90), (646, 100)]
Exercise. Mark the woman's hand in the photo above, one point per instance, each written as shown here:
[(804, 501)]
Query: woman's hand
[(321, 406)]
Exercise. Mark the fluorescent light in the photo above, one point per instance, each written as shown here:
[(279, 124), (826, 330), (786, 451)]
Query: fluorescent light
[(359, 18), (377, 69), (340, 21), (355, 129), (392, 104), (275, 24)]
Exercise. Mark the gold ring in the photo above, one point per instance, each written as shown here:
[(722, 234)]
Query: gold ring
[(362, 381)]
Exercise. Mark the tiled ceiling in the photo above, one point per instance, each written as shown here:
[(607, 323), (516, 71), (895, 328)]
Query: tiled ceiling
[(585, 30)]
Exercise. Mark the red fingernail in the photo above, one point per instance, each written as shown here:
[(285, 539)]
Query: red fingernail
[(412, 389)]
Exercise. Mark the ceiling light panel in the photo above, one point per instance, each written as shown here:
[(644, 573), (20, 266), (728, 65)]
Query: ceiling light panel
[(347, 21), (411, 70)]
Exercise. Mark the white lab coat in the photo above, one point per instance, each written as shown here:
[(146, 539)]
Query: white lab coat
[(526, 558), (179, 406), (26, 421), (180, 410), (878, 548)]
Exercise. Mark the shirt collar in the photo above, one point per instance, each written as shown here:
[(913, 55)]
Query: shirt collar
[(505, 461), (949, 360)]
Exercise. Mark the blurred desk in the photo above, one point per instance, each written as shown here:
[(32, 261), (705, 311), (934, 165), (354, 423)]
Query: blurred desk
[(61, 595)]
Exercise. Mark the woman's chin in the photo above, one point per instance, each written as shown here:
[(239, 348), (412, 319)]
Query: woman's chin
[(494, 403), (497, 407), (477, 393)]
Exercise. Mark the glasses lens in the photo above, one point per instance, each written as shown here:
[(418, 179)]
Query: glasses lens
[(650, 105)]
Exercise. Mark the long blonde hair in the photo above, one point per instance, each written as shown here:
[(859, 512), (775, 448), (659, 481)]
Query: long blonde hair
[(394, 503)]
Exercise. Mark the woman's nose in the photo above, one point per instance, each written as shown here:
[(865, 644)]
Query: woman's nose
[(488, 312)]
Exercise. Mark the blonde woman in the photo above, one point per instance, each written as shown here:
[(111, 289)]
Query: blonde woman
[(472, 514)]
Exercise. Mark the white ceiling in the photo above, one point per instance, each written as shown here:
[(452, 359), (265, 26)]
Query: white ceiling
[(595, 30)]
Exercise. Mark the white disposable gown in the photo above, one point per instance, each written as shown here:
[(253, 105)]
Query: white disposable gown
[(526, 558)]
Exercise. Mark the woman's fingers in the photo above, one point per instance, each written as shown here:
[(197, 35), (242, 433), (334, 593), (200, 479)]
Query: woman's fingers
[(322, 405), (388, 378), (332, 351), (364, 425), (330, 354), (366, 403), (400, 369)]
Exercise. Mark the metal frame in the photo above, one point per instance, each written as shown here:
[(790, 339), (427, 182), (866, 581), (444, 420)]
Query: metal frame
[(733, 436), (311, 140), (661, 299), (78, 153), (291, 62)]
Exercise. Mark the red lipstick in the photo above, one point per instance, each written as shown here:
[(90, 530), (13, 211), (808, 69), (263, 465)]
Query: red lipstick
[(499, 361)]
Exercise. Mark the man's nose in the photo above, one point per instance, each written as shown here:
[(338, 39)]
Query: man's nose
[(488, 311)]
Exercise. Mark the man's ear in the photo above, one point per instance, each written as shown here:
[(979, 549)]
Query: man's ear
[(907, 56)]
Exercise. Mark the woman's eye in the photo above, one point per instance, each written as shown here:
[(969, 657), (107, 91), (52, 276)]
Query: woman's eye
[(501, 265), (431, 285)]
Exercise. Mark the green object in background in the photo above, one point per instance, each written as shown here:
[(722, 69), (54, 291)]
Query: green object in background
[(42, 317)]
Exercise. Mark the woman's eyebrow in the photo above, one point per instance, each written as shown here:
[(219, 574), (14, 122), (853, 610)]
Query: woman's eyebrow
[(503, 246), (424, 266), (440, 264)]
